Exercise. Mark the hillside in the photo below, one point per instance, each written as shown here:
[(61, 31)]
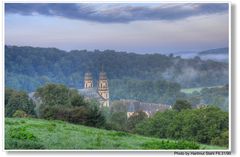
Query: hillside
[(215, 51), (27, 68), (43, 134), (191, 90), (220, 54)]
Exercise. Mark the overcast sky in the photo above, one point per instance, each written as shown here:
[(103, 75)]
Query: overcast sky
[(141, 28)]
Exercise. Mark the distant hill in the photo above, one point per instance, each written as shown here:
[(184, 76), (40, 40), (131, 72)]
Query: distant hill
[(219, 54), (215, 51), (131, 76), (186, 54)]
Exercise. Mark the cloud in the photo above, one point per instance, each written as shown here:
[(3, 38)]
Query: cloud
[(116, 13)]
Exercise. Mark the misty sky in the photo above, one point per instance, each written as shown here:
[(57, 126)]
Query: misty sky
[(141, 28)]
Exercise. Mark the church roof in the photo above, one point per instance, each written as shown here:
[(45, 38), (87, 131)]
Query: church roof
[(88, 76), (151, 108), (90, 93), (102, 76)]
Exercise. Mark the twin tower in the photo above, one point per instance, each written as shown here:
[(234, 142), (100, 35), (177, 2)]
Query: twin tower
[(102, 88)]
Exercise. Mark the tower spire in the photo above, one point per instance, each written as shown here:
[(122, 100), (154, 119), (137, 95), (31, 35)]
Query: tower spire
[(88, 81), (103, 87)]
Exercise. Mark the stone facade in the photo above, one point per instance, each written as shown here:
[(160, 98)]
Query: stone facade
[(101, 93)]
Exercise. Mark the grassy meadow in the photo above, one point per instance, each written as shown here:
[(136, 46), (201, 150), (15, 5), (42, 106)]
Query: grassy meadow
[(29, 133)]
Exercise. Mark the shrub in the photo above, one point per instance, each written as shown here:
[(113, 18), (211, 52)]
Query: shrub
[(20, 138), (96, 115), (89, 115), (20, 144), (206, 125), (51, 127), (62, 103), (78, 115), (55, 112), (136, 118), (170, 145), (17, 100), (223, 140), (21, 133), (20, 114), (181, 105), (118, 121)]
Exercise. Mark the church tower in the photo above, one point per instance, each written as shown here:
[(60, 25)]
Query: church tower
[(103, 88), (88, 81)]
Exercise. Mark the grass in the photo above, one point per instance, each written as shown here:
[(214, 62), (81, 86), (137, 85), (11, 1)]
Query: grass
[(26, 133), (198, 89)]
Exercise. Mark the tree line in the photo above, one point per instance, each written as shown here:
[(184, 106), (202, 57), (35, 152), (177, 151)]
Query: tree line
[(207, 125), (28, 68)]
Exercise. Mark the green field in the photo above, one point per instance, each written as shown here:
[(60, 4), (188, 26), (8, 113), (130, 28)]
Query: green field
[(198, 89), (26, 133)]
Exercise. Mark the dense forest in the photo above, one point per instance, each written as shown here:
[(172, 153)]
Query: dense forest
[(146, 77)]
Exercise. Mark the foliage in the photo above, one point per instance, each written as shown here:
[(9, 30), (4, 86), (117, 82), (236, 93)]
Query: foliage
[(171, 145), (222, 140), (20, 114), (117, 121), (181, 105), (21, 138), (201, 125), (21, 134), (216, 96), (134, 119), (28, 68), (69, 136), (17, 100), (22, 144), (61, 103), (145, 90), (58, 94), (118, 106), (95, 115)]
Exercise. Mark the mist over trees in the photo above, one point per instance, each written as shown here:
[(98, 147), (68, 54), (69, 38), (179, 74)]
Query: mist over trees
[(27, 67), (152, 78)]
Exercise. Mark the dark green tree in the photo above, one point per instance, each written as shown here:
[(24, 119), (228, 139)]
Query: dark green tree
[(205, 125), (181, 105), (17, 100), (118, 121), (134, 119)]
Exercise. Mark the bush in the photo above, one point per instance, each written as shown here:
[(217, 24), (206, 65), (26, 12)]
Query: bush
[(89, 115), (59, 95), (223, 140), (181, 105), (55, 112), (21, 134), (20, 114), (78, 115), (170, 145), (96, 115), (20, 138), (62, 103), (117, 121), (136, 118), (206, 125), (20, 144), (16, 100)]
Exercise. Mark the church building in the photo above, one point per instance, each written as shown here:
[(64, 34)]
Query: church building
[(100, 93)]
